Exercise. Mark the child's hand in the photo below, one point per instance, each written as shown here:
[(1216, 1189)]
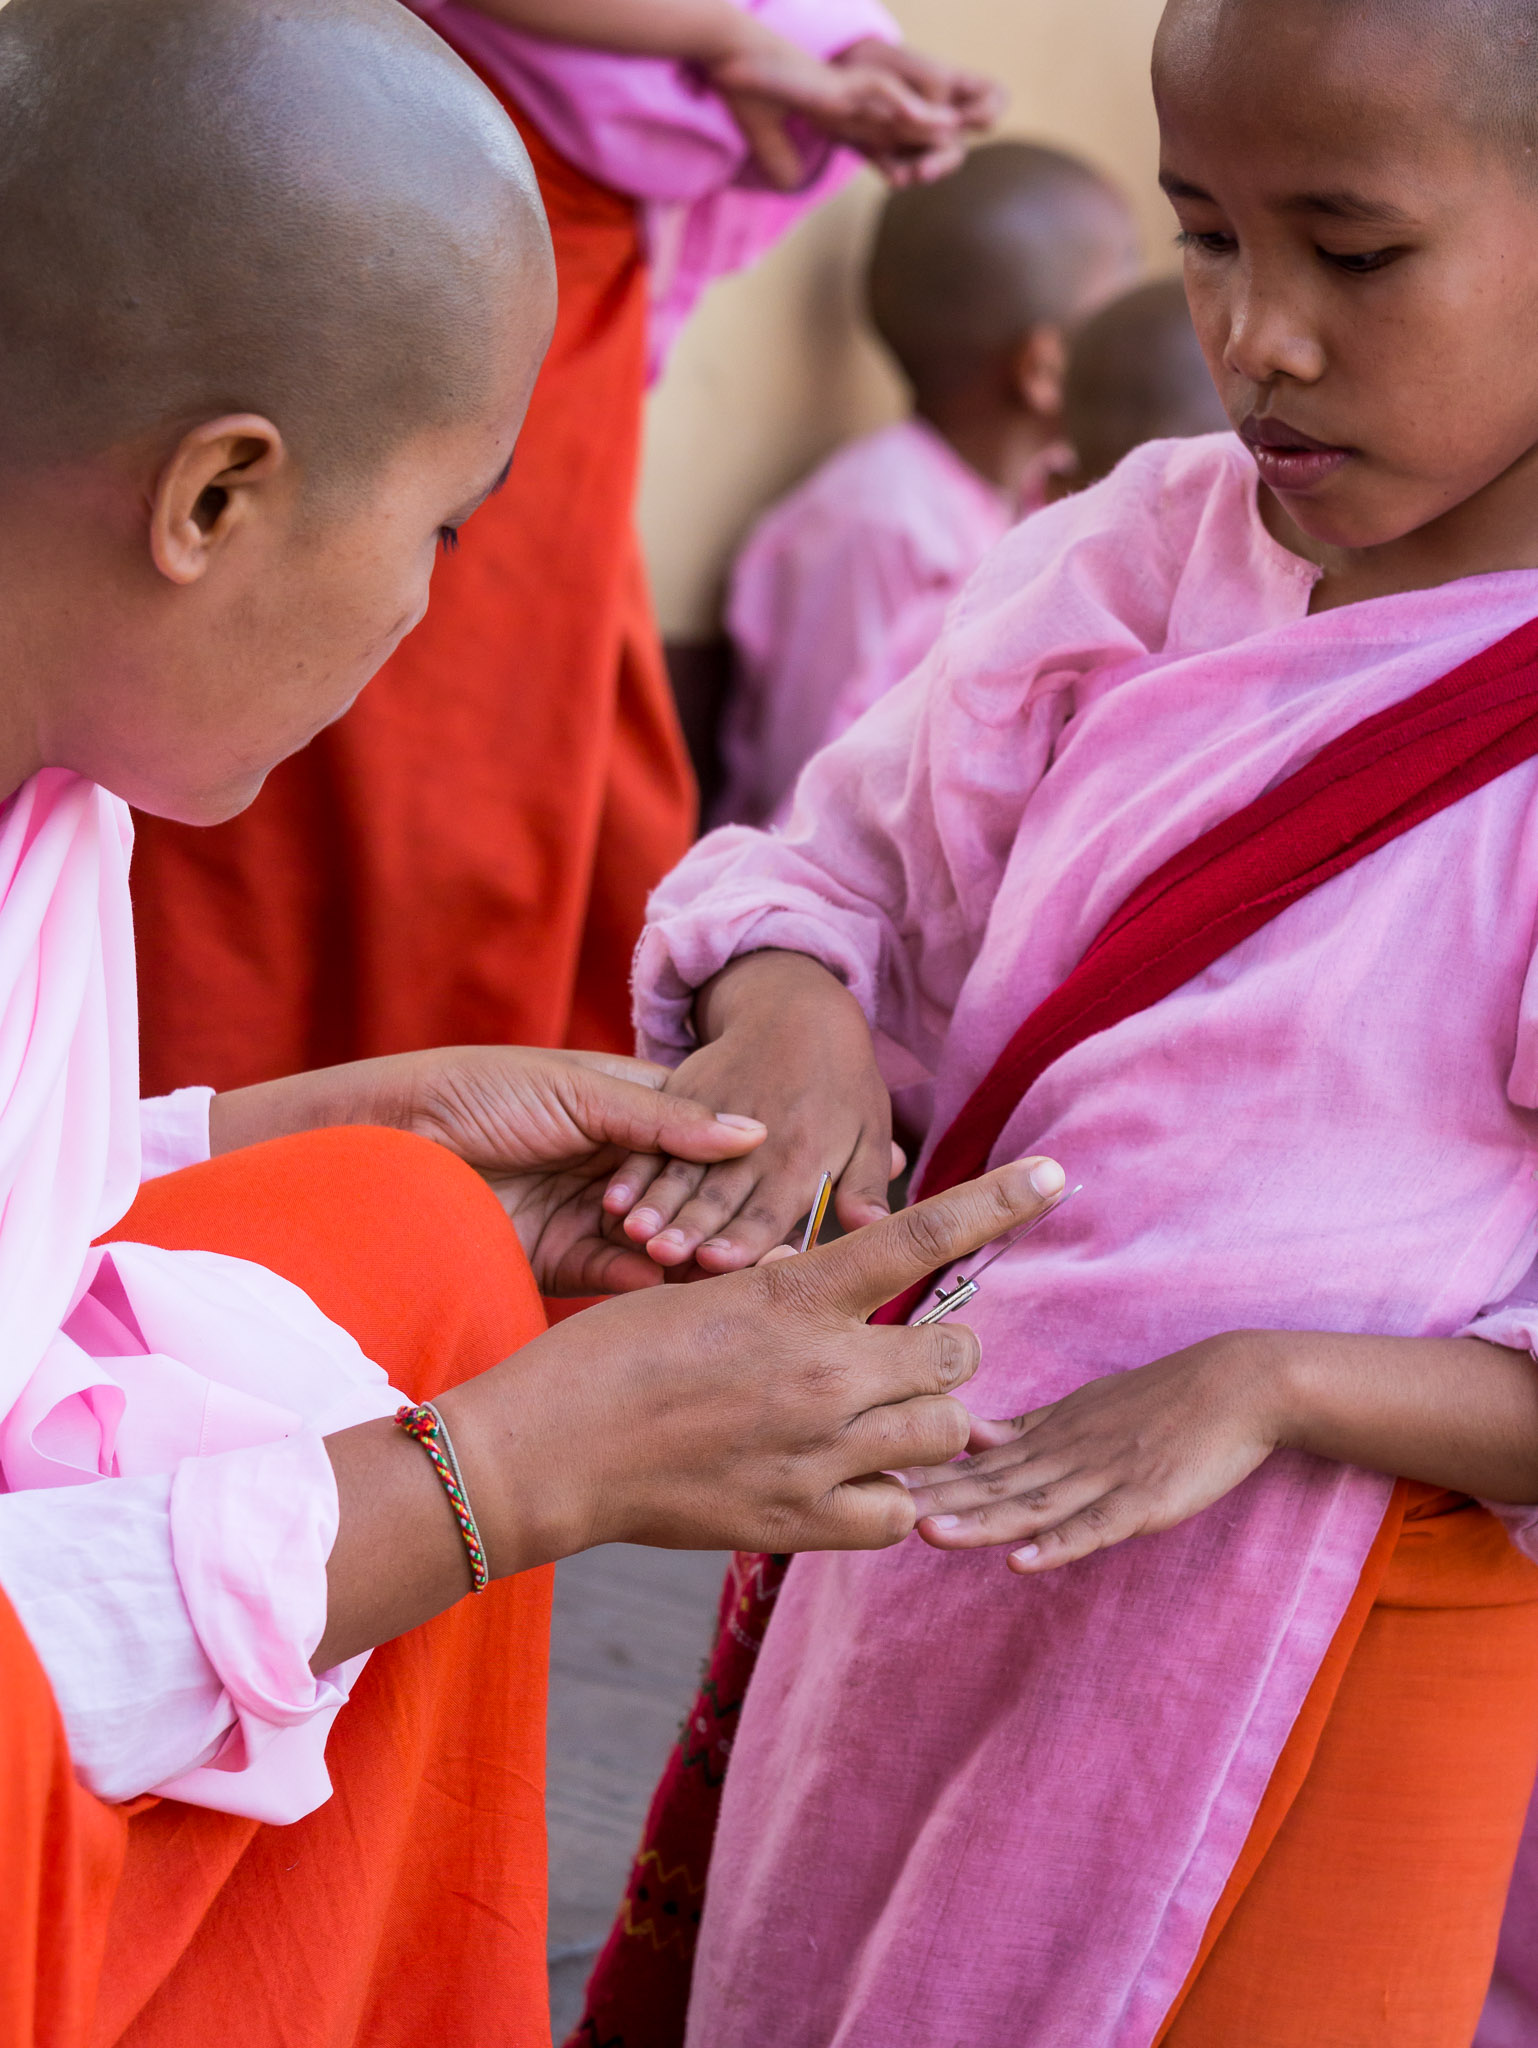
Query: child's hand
[(909, 114), (788, 1044), (1124, 1456)]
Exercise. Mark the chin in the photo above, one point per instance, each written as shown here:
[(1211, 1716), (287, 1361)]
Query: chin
[(203, 806)]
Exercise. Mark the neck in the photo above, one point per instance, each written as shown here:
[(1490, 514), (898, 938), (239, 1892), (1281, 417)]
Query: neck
[(23, 663), (998, 438), (1495, 529)]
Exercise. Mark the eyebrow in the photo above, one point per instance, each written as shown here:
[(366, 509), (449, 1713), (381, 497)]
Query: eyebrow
[(1340, 204)]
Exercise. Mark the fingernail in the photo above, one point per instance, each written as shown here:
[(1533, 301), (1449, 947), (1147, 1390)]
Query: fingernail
[(1026, 1554), (643, 1223), (1048, 1178), (616, 1198), (716, 1244), (669, 1237), (740, 1123), (943, 1521)]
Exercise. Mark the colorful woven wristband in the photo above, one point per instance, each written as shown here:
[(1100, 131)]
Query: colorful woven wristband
[(425, 1423)]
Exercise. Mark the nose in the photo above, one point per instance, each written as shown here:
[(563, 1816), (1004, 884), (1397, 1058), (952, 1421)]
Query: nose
[(1270, 334)]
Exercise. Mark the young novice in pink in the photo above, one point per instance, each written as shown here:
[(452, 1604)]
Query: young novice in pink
[(974, 282), (1218, 1787)]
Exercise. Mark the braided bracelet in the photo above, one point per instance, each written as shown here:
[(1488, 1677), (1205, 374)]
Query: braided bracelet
[(428, 1427)]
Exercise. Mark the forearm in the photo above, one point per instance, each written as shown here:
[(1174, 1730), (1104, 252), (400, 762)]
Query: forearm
[(378, 1091), (1454, 1412), (704, 32)]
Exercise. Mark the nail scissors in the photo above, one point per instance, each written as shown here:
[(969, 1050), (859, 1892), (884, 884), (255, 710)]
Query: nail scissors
[(967, 1286)]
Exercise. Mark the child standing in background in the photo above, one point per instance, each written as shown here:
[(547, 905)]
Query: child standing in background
[(974, 284)]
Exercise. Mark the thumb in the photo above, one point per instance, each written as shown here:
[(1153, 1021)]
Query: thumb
[(864, 1270), (643, 1119)]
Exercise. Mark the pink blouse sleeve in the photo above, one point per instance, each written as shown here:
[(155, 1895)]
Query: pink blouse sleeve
[(897, 841)]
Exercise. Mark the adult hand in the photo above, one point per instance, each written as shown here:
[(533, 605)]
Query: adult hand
[(758, 1412), (785, 1042), (545, 1129)]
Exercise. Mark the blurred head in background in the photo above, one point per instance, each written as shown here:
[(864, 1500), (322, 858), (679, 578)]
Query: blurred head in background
[(1136, 373), (976, 283)]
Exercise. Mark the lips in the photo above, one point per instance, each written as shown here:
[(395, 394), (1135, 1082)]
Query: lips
[(1288, 459)]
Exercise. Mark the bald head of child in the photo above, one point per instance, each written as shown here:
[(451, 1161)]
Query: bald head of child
[(277, 283), (1136, 373), (976, 280), (1357, 187)]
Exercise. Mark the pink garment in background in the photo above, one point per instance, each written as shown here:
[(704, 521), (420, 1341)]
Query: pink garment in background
[(840, 589), (166, 1504), (964, 1807), (649, 127)]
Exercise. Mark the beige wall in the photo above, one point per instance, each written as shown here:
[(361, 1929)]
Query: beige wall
[(773, 370)]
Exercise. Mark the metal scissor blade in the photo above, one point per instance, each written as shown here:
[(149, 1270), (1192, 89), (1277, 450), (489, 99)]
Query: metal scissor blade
[(967, 1287)]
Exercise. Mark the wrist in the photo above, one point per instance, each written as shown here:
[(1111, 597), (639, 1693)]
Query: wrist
[(746, 984), (1269, 1371), (727, 36)]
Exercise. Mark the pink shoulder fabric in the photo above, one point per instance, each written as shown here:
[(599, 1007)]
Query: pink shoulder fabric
[(134, 1363), (649, 127)]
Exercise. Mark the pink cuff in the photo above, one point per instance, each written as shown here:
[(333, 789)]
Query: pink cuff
[(173, 1131)]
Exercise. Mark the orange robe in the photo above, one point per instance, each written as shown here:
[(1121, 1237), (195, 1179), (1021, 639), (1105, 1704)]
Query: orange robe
[(411, 1904), (466, 856), (1365, 1907)]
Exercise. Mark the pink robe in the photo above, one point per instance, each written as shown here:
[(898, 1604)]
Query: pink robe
[(838, 592), (649, 127), (968, 1808), (166, 1503)]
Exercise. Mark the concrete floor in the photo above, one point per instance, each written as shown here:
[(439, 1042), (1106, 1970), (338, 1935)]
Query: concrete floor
[(630, 1631)]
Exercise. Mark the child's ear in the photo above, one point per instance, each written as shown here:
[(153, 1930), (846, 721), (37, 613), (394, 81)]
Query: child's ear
[(219, 476), (1037, 369)]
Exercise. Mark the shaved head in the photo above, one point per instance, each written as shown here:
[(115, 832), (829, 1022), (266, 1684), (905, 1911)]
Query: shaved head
[(313, 212), (962, 270), (1137, 374), (1483, 54)]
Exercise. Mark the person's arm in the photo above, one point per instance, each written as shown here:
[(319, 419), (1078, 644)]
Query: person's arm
[(760, 1412), (1140, 1451), (909, 113)]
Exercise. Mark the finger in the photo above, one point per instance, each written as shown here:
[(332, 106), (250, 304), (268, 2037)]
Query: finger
[(1037, 1491), (1024, 1512), (600, 1268), (861, 1196), (862, 1271), (644, 1119), (629, 1181), (990, 1434), (765, 1209), (1111, 1518), (880, 1440), (869, 1513), (773, 148), (722, 1195), (663, 1199)]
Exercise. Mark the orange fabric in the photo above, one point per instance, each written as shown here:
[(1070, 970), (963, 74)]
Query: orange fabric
[(1365, 1907), (465, 856), (413, 1901)]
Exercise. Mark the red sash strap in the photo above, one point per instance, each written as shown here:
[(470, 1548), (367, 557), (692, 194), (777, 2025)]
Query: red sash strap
[(1385, 775), (1361, 790)]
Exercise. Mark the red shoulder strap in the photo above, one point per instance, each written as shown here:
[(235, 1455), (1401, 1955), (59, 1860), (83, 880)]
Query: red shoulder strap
[(1364, 788)]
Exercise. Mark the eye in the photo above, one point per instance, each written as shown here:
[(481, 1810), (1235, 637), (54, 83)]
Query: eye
[(1213, 244), (1360, 263), (448, 539)]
